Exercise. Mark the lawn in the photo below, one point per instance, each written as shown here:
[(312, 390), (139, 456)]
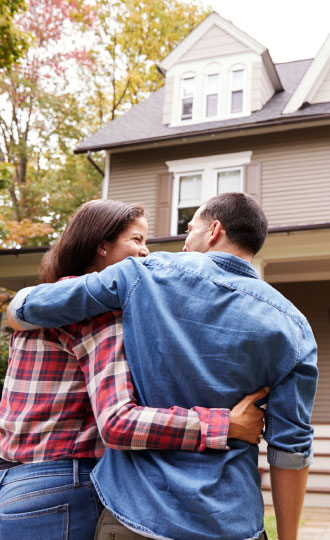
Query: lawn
[(270, 527)]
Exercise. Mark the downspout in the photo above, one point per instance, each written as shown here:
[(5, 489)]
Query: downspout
[(105, 175)]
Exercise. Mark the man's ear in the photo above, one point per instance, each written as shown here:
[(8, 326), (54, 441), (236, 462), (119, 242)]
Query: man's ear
[(216, 231)]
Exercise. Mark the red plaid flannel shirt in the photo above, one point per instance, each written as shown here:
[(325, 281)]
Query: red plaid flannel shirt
[(60, 380)]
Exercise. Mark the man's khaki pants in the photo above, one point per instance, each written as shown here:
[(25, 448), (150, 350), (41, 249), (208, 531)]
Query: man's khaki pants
[(109, 528)]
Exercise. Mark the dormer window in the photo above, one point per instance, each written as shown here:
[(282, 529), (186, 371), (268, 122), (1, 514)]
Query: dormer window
[(187, 96), (237, 90), (212, 91)]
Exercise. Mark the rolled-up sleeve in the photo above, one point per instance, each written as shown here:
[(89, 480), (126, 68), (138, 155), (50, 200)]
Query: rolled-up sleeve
[(288, 430)]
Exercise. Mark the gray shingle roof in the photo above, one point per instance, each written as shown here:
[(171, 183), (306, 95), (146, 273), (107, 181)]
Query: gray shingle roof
[(143, 122)]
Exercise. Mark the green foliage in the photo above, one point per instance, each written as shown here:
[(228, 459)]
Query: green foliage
[(5, 335), (55, 97), (13, 41), (270, 527)]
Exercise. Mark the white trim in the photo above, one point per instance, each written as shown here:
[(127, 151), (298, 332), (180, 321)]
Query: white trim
[(312, 79), (218, 161), (226, 64), (214, 19), (208, 167)]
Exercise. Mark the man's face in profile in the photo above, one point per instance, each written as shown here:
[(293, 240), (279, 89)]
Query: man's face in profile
[(197, 234)]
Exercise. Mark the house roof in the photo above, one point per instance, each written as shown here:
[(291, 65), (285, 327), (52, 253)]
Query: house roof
[(143, 124), (215, 20), (311, 80)]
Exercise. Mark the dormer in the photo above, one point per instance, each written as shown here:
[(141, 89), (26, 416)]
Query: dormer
[(216, 73), (314, 87)]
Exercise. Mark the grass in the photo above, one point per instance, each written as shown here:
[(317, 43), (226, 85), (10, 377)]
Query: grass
[(270, 526)]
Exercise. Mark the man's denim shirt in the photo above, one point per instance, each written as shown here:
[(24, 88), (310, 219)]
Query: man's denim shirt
[(200, 329)]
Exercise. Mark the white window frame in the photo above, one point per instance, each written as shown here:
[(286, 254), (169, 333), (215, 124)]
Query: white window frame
[(200, 68), (208, 167), (239, 67), (212, 69), (185, 76), (238, 168)]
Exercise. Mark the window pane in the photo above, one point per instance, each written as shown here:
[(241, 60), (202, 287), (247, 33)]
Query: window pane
[(237, 101), (229, 181), (237, 79), (212, 84), (212, 105), (188, 87), (185, 215), (190, 188), (187, 107)]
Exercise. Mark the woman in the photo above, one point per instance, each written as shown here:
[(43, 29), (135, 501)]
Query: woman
[(68, 392)]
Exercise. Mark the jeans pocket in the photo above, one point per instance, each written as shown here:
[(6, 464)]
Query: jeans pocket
[(51, 524)]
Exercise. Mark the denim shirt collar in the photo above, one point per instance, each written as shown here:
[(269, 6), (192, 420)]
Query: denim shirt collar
[(232, 263)]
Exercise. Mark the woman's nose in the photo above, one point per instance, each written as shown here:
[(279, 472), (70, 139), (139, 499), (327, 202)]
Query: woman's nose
[(144, 251)]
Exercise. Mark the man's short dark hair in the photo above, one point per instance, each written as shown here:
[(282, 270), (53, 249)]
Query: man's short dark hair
[(242, 218)]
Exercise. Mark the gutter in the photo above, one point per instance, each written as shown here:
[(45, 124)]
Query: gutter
[(288, 123), (177, 238), (273, 230)]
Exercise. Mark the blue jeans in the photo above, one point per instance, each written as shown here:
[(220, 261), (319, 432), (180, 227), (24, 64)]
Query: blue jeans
[(52, 500)]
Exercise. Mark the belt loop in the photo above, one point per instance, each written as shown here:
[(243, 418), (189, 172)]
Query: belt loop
[(3, 476), (76, 473)]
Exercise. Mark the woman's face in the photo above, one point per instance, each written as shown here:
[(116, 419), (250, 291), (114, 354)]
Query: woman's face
[(130, 243)]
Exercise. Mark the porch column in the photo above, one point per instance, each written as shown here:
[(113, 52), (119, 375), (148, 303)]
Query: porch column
[(259, 266), (106, 178)]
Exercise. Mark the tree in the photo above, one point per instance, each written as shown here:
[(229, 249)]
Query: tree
[(13, 41), (57, 95), (130, 37), (38, 115)]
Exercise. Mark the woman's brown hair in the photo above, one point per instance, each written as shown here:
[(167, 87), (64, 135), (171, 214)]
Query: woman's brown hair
[(94, 222)]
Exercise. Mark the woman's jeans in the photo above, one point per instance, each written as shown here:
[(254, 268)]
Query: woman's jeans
[(52, 500)]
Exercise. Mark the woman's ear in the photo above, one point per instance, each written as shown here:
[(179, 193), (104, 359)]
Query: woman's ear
[(101, 250)]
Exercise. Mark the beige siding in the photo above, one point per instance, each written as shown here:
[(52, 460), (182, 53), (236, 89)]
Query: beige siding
[(312, 298), (168, 100), (133, 181), (295, 174), (262, 89), (322, 95), (215, 42), (295, 181)]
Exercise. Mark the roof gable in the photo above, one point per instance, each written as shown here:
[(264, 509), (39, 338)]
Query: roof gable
[(229, 37), (312, 80), (215, 41)]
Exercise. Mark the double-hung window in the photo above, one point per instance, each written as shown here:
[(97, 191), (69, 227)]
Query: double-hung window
[(187, 96), (237, 91), (198, 179), (212, 91)]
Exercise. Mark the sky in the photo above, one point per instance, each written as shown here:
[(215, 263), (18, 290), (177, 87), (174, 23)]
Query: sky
[(289, 29)]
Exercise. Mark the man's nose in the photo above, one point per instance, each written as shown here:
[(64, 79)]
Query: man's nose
[(184, 248)]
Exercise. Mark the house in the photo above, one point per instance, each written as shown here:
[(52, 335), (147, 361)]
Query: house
[(228, 119)]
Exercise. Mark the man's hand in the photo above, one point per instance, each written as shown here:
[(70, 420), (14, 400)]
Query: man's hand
[(247, 420)]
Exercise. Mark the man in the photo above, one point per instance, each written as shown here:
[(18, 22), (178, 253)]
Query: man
[(200, 326)]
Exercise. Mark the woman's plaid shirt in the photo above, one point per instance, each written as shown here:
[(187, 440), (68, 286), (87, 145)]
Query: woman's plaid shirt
[(60, 380)]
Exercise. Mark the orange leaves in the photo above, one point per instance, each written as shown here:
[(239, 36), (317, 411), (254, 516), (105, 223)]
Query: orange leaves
[(16, 233)]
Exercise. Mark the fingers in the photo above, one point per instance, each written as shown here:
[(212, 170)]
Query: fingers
[(259, 394)]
